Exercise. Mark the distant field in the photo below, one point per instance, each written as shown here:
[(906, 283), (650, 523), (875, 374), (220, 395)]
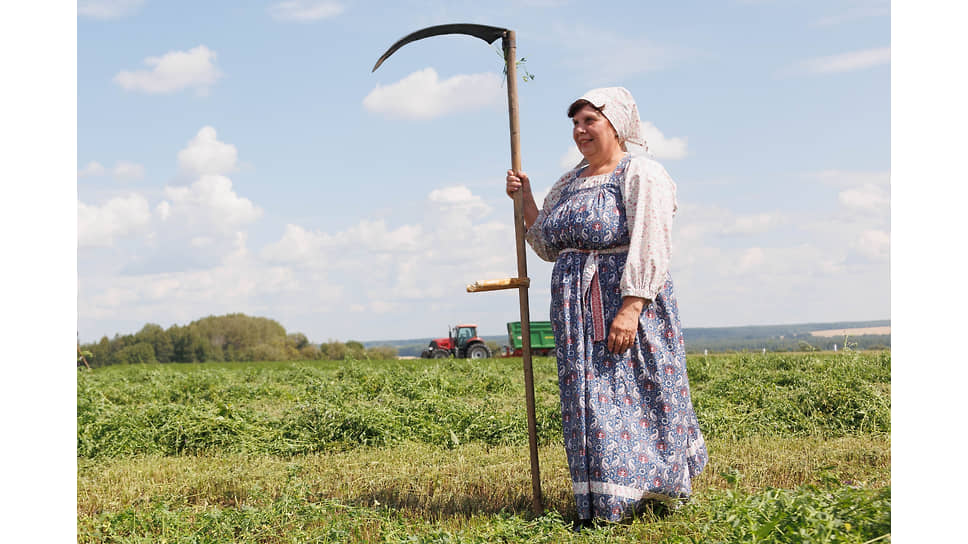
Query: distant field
[(828, 333)]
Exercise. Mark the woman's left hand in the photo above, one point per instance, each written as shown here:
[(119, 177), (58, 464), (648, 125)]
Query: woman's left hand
[(625, 326)]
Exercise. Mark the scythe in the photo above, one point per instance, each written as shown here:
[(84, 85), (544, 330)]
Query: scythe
[(489, 34)]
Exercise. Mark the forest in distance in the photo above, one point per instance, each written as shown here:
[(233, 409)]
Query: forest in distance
[(238, 337)]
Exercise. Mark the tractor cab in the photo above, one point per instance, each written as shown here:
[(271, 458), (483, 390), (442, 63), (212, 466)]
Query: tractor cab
[(461, 334), (467, 344)]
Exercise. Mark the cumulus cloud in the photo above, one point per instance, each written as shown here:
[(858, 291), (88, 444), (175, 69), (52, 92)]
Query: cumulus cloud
[(210, 202), (459, 199), (661, 146), (128, 171), (312, 248), (120, 216), (107, 9), (304, 10), (866, 199), (205, 154), (92, 168), (452, 242), (237, 283), (844, 62), (163, 209), (750, 260), (423, 95), (700, 223), (873, 244), (172, 72), (756, 223)]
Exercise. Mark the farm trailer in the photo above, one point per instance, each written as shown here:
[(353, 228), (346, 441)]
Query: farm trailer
[(542, 339)]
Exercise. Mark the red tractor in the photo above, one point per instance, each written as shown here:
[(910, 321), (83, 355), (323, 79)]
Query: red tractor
[(463, 342)]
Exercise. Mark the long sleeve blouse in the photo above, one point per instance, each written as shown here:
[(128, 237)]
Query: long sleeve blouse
[(649, 195)]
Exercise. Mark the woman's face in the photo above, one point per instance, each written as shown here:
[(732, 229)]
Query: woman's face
[(593, 133)]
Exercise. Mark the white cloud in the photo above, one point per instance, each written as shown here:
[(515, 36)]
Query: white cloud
[(660, 146), (866, 199), (459, 199), (851, 178), (311, 248), (750, 260), (304, 10), (210, 202), (845, 62), (120, 216), (873, 244), (92, 168), (107, 9), (206, 155), (163, 209), (422, 95), (453, 242), (237, 283), (128, 171), (202, 241), (757, 223), (698, 223), (172, 72)]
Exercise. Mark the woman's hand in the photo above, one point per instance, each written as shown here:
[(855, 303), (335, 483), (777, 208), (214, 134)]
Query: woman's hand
[(516, 182), (625, 326), (519, 182)]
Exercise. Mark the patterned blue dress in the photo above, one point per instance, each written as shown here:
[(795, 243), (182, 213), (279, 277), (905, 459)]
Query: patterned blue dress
[(630, 430)]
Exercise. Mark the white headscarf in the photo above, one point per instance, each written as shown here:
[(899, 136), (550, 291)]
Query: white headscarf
[(619, 108)]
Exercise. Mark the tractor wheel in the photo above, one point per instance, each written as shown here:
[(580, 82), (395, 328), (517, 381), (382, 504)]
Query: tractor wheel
[(478, 351), (426, 354), (441, 354)]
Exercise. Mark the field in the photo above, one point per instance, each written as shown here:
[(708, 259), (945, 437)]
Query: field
[(435, 451), (835, 333)]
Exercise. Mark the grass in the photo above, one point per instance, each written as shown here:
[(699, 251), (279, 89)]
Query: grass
[(436, 451)]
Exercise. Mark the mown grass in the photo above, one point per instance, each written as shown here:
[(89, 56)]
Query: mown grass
[(436, 451)]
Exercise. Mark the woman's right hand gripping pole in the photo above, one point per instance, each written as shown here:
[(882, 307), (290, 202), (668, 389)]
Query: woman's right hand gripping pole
[(518, 181)]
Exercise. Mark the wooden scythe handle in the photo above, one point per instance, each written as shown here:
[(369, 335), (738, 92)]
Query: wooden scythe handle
[(510, 53)]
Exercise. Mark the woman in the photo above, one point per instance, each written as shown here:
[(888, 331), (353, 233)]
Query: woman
[(630, 430)]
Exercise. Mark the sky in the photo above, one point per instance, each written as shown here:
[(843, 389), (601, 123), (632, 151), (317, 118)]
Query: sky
[(242, 157)]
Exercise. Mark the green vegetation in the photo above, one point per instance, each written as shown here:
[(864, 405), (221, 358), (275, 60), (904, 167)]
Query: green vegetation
[(755, 338), (232, 337), (436, 451)]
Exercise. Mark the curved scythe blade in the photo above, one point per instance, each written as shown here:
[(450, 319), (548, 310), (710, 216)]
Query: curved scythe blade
[(484, 32)]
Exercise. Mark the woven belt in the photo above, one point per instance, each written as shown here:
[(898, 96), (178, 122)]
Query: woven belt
[(591, 286)]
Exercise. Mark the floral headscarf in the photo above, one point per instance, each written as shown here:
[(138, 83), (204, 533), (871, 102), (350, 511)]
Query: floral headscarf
[(619, 108)]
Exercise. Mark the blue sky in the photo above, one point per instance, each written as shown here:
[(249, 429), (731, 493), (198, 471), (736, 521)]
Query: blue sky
[(241, 157)]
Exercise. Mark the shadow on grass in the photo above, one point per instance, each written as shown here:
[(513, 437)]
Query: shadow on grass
[(441, 505), (411, 503)]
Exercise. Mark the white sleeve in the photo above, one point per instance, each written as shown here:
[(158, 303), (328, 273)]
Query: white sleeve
[(650, 204)]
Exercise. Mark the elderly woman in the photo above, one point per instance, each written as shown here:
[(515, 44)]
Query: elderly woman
[(630, 430)]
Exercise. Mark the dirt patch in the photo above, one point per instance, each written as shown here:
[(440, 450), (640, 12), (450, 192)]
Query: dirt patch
[(828, 333)]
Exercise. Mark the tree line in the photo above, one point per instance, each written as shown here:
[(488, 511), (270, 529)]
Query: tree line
[(232, 337)]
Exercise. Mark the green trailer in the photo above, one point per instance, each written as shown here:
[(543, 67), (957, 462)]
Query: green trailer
[(542, 339)]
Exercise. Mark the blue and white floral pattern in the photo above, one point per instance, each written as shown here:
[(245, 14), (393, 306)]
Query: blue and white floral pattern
[(630, 430)]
